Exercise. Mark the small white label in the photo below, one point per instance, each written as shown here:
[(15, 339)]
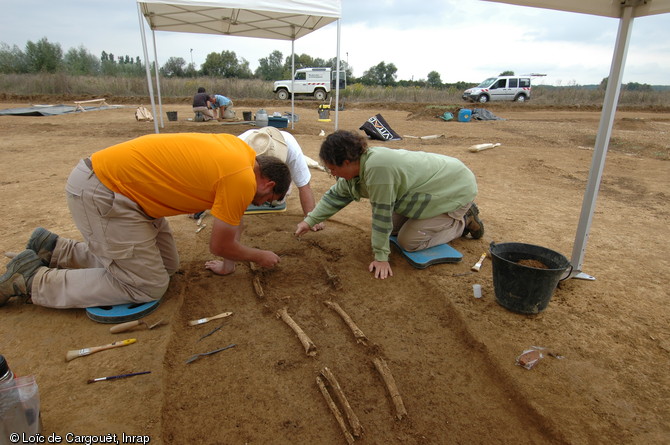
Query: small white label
[(201, 321), (84, 351)]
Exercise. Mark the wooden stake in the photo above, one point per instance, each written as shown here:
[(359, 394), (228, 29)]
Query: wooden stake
[(310, 347), (335, 410), (354, 423), (360, 336), (391, 387)]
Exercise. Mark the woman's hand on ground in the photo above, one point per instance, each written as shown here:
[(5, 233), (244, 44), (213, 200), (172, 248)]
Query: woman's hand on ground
[(301, 228), (382, 269)]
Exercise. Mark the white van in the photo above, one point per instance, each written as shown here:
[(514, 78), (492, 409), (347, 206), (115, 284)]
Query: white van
[(316, 82), (516, 88)]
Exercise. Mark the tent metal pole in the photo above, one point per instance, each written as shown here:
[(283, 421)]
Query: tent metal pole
[(158, 82), (146, 65), (602, 142), (337, 78), (293, 82)]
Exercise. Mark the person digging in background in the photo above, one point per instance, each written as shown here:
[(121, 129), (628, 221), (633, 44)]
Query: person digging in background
[(119, 199), (424, 198), (201, 105), (219, 105)]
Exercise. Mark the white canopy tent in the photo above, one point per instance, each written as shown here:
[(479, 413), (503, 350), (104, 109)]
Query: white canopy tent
[(279, 19), (625, 11)]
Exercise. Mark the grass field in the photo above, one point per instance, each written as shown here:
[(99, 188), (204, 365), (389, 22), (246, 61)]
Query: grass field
[(101, 86)]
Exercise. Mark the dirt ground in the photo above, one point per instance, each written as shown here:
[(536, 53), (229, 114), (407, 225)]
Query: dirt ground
[(452, 356)]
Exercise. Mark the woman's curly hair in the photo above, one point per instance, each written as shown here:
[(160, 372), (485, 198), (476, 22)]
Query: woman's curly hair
[(342, 146)]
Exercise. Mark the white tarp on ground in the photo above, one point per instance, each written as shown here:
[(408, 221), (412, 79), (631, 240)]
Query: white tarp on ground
[(278, 19), (625, 11), (52, 110)]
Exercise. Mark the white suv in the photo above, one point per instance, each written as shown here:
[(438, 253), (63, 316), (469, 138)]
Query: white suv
[(316, 82), (516, 88)]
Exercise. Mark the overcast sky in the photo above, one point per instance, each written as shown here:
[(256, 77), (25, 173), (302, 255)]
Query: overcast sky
[(463, 40)]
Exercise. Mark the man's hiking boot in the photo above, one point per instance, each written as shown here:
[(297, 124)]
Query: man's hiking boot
[(43, 243), (19, 276), (473, 225)]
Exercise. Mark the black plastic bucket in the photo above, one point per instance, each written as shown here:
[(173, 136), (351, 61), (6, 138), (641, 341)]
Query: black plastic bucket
[(172, 116), (246, 115), (525, 289)]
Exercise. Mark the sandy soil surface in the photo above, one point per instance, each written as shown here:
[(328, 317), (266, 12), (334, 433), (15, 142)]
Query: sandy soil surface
[(452, 356)]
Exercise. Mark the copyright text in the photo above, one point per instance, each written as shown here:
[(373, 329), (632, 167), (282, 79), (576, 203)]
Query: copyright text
[(78, 438)]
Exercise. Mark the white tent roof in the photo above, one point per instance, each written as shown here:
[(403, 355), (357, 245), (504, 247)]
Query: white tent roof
[(278, 19), (606, 8), (626, 11), (283, 20)]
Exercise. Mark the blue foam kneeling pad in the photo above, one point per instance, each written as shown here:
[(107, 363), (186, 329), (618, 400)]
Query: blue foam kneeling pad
[(265, 208), (421, 259), (121, 313)]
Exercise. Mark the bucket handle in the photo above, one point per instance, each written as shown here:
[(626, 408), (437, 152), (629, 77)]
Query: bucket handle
[(568, 275)]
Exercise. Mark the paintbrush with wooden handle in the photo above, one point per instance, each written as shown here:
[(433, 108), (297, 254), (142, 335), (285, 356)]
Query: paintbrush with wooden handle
[(73, 354), (207, 319)]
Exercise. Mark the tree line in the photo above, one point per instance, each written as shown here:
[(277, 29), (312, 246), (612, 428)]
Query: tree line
[(44, 56)]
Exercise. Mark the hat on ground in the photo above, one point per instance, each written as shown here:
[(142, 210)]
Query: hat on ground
[(268, 141)]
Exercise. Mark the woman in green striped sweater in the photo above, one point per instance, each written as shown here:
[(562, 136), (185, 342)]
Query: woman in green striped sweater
[(424, 198)]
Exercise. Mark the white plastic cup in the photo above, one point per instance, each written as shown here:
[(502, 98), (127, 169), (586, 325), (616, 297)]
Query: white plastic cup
[(477, 290)]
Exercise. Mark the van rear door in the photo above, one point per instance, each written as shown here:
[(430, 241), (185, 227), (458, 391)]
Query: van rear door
[(524, 87), (343, 80)]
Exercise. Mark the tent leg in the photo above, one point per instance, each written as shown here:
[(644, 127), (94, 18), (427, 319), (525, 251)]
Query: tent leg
[(602, 142), (337, 79), (293, 83), (158, 82), (146, 66)]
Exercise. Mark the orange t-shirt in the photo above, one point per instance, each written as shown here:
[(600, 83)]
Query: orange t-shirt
[(174, 174)]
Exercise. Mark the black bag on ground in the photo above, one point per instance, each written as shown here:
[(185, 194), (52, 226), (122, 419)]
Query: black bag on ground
[(377, 128)]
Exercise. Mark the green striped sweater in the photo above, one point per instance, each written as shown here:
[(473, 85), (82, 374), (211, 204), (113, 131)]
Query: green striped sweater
[(415, 184)]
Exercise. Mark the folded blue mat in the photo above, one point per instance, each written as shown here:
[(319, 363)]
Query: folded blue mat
[(121, 313), (421, 259)]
